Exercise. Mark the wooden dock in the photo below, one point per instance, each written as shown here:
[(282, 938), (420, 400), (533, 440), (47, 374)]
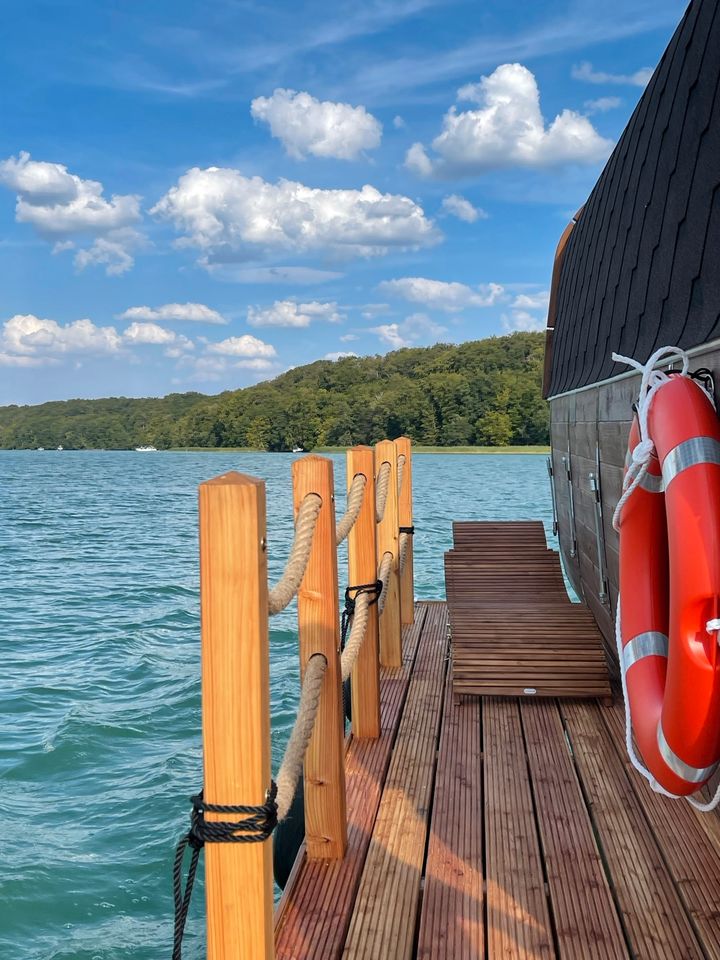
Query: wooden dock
[(501, 828), (514, 629)]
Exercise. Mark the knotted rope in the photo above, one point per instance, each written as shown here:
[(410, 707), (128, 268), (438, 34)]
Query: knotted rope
[(287, 586), (291, 767), (652, 381), (402, 550), (382, 483), (355, 497)]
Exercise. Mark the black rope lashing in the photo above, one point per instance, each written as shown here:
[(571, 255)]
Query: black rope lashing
[(351, 595), (259, 823), (408, 530)]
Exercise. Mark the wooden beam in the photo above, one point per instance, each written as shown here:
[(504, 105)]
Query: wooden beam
[(362, 568), (235, 710), (319, 632), (405, 519), (387, 542)]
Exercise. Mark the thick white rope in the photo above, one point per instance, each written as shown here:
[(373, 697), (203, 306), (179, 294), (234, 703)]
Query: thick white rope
[(652, 381), (291, 767), (402, 550), (384, 576), (400, 469), (382, 482), (355, 497), (360, 618), (288, 585)]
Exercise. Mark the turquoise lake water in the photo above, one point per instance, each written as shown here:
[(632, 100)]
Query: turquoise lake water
[(100, 688)]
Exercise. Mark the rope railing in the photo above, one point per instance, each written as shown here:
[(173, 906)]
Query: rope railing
[(288, 585), (384, 576), (382, 483), (402, 550), (355, 497), (288, 775), (400, 468)]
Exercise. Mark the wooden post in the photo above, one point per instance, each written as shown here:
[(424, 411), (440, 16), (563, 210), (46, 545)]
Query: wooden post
[(362, 568), (387, 541), (235, 710), (405, 518), (319, 632)]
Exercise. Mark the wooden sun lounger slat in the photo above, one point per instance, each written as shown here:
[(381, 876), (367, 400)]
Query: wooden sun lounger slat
[(514, 628)]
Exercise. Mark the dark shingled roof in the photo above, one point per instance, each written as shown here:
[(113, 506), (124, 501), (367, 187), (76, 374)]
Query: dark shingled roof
[(642, 266)]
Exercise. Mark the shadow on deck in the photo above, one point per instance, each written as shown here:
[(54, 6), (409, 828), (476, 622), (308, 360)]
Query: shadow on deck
[(501, 828)]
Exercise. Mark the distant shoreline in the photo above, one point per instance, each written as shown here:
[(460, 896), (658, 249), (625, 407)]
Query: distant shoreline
[(416, 449)]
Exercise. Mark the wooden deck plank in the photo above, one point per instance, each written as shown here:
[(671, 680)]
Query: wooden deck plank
[(313, 915), (586, 923), (452, 921), (383, 921), (689, 842), (518, 920), (652, 913)]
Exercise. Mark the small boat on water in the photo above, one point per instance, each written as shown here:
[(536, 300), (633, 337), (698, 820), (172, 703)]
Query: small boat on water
[(60, 447), (146, 449), (298, 450)]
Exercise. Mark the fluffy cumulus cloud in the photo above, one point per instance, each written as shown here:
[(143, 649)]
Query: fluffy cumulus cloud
[(288, 313), (602, 104), (228, 216), (417, 328), (246, 346), (320, 128), (339, 355), (28, 340), (442, 295), (506, 129), (169, 312), (522, 320), (461, 208), (585, 71), (532, 301), (70, 211)]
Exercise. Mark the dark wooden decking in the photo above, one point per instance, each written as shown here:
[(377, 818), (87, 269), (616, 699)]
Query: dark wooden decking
[(502, 828), (515, 630)]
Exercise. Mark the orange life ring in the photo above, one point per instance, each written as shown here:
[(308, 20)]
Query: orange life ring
[(670, 590)]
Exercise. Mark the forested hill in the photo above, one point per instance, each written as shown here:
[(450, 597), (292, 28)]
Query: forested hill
[(484, 392)]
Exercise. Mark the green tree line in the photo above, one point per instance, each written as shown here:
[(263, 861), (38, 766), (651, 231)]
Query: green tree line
[(483, 392)]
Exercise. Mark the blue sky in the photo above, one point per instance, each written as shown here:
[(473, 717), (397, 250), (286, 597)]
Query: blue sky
[(200, 196)]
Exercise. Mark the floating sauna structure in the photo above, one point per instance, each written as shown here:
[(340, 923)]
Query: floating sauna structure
[(481, 804)]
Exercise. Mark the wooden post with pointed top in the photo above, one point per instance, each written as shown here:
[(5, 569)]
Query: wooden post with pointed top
[(405, 518), (319, 632), (362, 568), (235, 710), (387, 541)]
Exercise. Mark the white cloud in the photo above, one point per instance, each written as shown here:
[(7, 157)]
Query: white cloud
[(585, 71), (61, 206), (193, 312), (442, 295), (339, 355), (398, 122), (532, 301), (225, 214), (210, 369), (507, 130), (462, 209), (142, 333), (349, 337), (522, 320), (233, 273), (26, 335), (321, 128), (288, 313), (416, 327), (245, 346), (602, 104)]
